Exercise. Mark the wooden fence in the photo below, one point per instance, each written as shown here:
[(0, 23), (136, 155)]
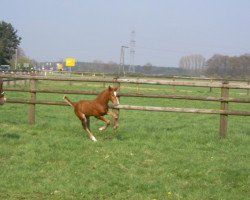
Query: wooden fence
[(224, 100)]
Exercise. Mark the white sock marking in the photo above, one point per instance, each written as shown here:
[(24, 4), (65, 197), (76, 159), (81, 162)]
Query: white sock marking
[(93, 139), (102, 128)]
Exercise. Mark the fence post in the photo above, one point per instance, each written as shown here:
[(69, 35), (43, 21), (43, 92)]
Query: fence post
[(104, 83), (137, 86), (174, 85), (117, 111), (210, 88), (248, 89), (224, 106), (32, 111)]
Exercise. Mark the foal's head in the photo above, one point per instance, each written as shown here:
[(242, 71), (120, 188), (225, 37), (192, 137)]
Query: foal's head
[(113, 95), (2, 99)]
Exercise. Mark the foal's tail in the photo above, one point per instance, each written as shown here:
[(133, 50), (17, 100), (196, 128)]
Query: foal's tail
[(68, 101)]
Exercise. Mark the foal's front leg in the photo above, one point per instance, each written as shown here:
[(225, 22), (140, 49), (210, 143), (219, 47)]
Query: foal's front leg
[(115, 118), (105, 120)]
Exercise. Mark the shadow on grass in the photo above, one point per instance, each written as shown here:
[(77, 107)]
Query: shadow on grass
[(110, 137), (13, 136)]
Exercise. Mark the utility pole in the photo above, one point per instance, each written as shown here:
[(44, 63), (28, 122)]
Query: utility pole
[(132, 52), (121, 66)]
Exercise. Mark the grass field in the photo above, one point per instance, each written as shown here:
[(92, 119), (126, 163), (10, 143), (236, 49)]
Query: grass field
[(151, 156)]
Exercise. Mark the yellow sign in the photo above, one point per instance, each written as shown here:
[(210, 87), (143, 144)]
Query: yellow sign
[(59, 66), (70, 62)]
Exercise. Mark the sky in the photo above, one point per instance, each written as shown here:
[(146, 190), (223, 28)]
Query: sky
[(165, 30)]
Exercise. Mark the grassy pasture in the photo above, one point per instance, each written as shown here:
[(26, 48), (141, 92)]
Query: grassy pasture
[(152, 155)]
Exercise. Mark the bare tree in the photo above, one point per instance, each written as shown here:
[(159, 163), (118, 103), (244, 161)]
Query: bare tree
[(192, 64)]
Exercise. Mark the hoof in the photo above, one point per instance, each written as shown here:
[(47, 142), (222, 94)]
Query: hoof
[(102, 128), (115, 127), (93, 139)]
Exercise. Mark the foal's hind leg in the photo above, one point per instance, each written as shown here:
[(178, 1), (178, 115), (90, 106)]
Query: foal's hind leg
[(85, 125), (105, 120)]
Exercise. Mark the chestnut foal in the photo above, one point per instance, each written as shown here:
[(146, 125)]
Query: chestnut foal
[(2, 99), (97, 108)]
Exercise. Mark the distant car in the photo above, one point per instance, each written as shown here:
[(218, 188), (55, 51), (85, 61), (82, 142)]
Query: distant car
[(4, 68)]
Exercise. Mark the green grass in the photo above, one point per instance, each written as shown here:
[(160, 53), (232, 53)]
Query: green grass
[(151, 156)]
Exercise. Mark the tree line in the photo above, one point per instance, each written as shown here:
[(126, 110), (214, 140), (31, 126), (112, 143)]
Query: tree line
[(217, 65), (9, 41), (10, 52), (226, 66)]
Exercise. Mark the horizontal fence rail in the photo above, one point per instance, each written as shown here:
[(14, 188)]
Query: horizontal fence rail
[(224, 112), (232, 85), (186, 97), (183, 110), (238, 100), (145, 108)]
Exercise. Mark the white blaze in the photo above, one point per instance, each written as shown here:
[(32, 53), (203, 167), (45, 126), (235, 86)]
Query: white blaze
[(117, 100)]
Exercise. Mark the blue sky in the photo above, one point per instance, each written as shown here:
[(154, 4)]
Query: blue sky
[(165, 30)]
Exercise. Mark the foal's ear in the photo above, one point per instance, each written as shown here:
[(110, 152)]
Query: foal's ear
[(110, 88), (113, 88)]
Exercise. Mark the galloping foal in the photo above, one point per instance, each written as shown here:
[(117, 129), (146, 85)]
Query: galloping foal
[(97, 108)]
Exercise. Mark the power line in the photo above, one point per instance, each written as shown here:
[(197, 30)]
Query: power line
[(162, 50)]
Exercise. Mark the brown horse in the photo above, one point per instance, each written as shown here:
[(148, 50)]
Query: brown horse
[(97, 108), (2, 99)]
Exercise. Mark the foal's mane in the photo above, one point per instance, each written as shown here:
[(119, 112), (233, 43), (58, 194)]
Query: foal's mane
[(103, 96)]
